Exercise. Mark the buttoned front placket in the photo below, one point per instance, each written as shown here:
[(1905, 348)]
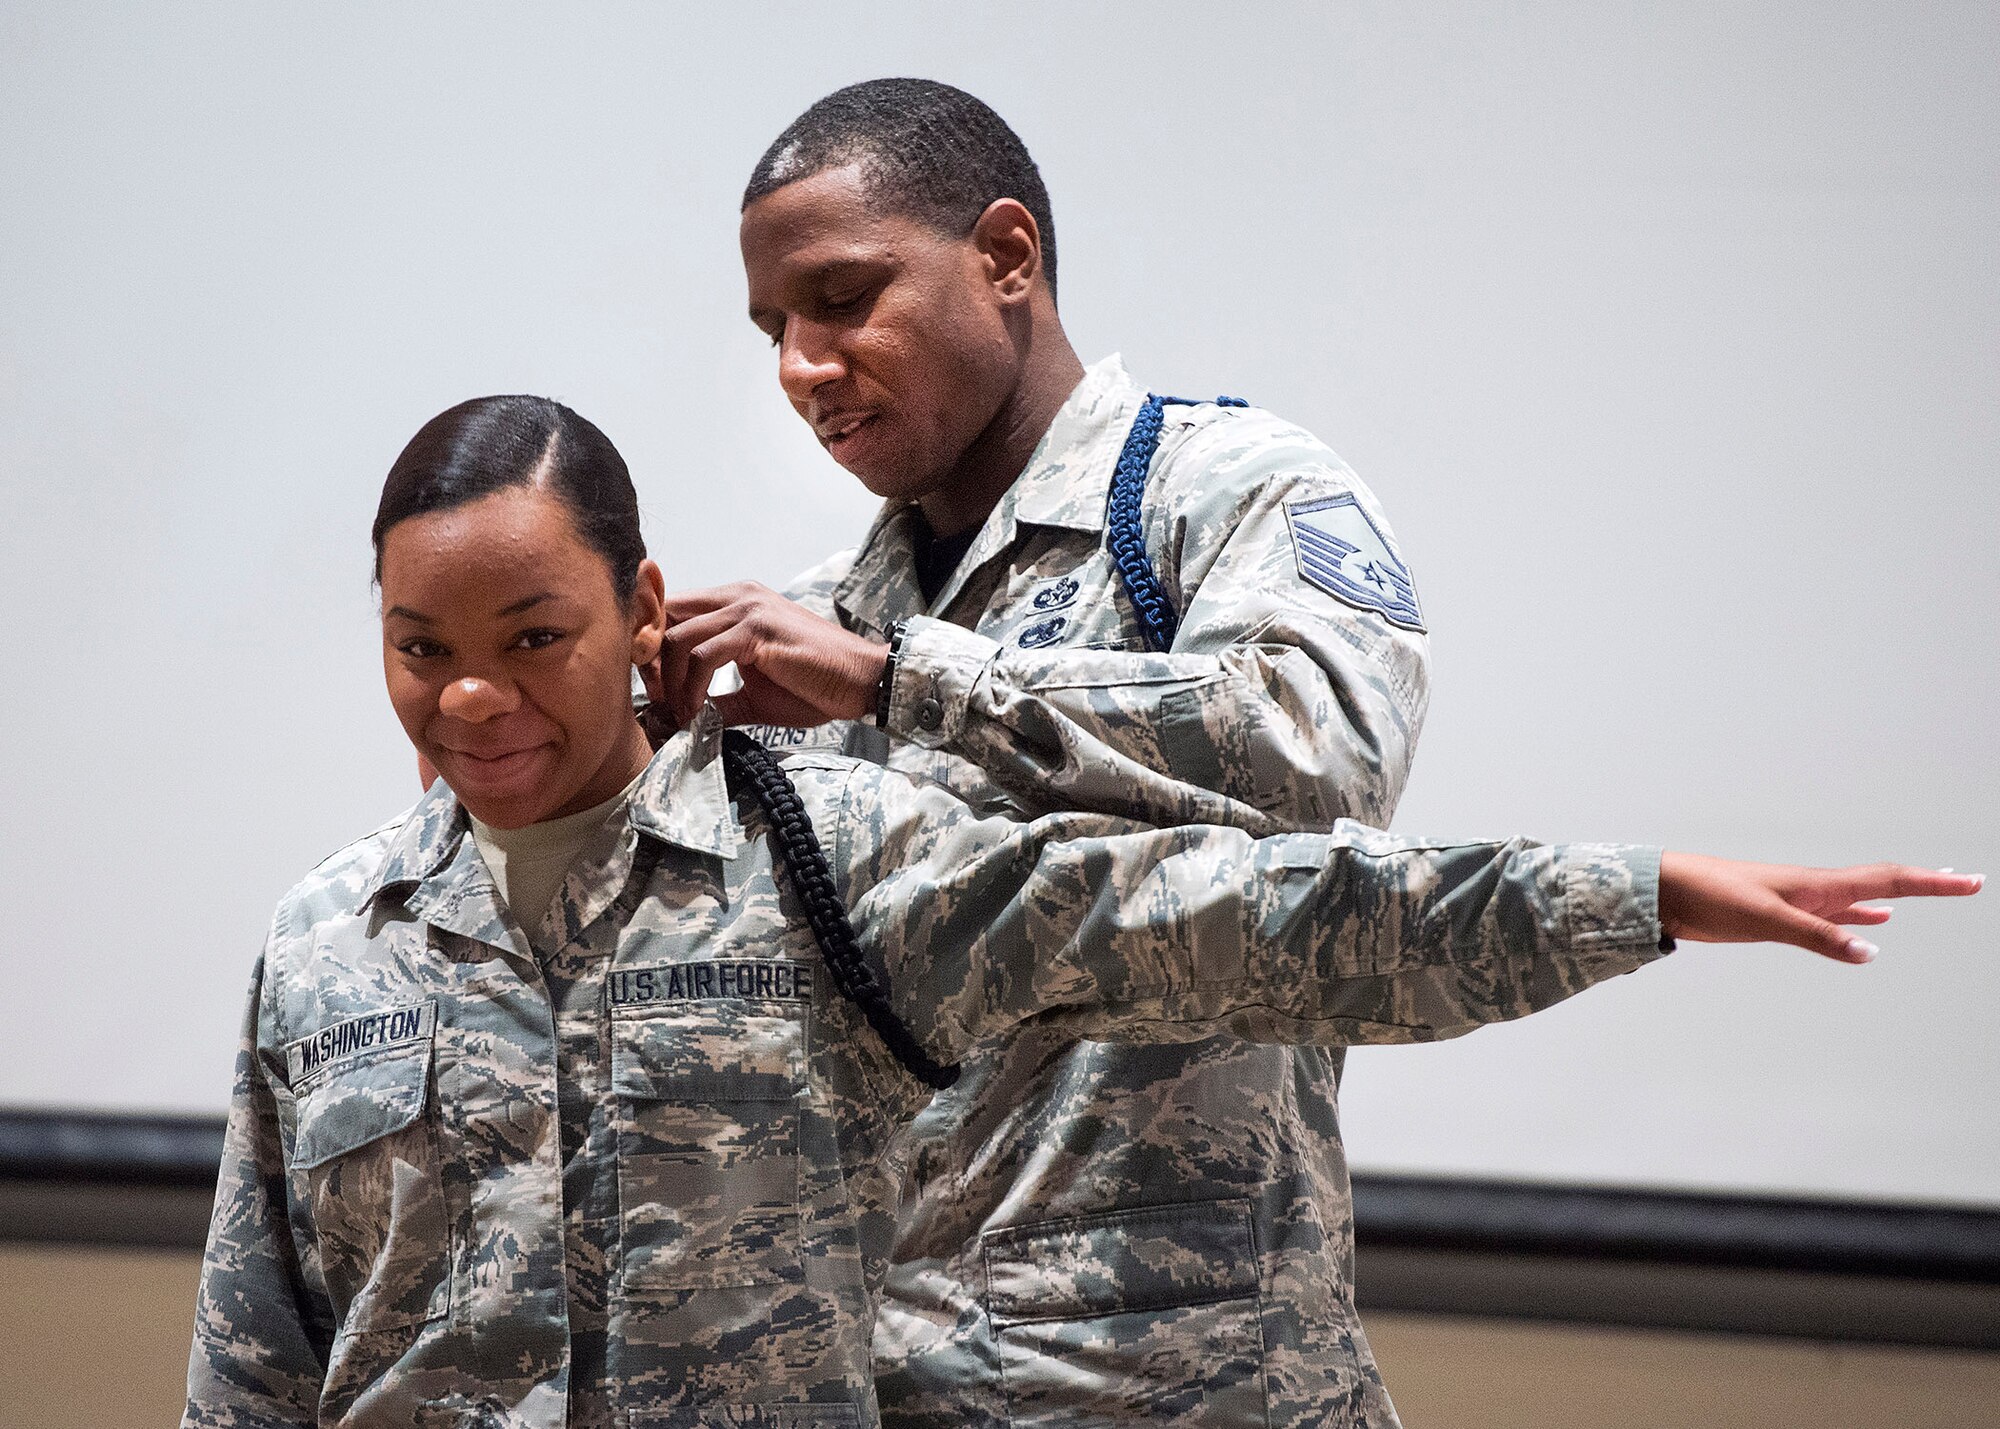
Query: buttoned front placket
[(1036, 576), (576, 944), (605, 1272)]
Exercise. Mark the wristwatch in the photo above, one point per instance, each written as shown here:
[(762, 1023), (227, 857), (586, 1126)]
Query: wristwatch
[(888, 685)]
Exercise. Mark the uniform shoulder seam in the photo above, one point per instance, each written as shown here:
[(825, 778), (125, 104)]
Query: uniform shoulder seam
[(383, 832), (363, 855), (1287, 447), (826, 572)]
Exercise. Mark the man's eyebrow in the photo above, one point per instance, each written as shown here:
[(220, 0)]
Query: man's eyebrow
[(406, 613), (821, 271), (520, 605)]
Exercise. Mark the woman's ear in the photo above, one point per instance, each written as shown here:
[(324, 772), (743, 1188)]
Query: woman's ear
[(649, 614)]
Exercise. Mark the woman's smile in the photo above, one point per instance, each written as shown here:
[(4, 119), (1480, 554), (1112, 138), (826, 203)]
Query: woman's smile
[(508, 648), (496, 773)]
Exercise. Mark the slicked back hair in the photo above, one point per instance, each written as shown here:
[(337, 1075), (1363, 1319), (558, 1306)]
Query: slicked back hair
[(493, 443), (927, 151)]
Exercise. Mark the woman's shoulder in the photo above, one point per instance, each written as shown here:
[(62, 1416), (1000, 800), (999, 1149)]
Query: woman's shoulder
[(338, 885)]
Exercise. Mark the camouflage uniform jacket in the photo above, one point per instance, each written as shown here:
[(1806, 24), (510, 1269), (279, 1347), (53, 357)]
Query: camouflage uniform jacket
[(630, 1172), (1281, 705)]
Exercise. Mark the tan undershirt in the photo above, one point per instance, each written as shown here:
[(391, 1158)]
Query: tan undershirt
[(528, 864)]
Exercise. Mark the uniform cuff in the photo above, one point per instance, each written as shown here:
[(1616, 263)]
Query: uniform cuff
[(1611, 898), (930, 687)]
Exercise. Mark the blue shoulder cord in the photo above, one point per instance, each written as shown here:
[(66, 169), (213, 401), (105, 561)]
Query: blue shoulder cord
[(1126, 536)]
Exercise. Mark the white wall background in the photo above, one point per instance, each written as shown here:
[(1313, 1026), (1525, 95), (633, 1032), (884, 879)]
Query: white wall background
[(1669, 335)]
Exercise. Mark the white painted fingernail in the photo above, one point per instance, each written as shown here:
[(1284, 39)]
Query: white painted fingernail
[(1862, 949), (1978, 881)]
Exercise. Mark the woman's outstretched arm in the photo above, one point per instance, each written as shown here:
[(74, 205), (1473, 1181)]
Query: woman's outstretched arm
[(1119, 931)]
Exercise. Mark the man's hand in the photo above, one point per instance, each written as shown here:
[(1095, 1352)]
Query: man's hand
[(798, 669), (1717, 900)]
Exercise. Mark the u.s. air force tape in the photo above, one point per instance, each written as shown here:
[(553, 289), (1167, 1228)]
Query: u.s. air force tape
[(318, 1052), (708, 981)]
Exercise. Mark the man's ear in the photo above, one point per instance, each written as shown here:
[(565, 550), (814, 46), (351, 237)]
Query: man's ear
[(1010, 241), (649, 613)]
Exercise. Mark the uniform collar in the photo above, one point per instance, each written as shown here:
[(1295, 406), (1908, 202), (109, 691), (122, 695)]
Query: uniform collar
[(682, 799), (429, 836), (1068, 480), (1065, 484), (434, 869)]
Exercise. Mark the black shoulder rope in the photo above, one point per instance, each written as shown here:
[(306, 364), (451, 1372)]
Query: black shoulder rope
[(750, 768)]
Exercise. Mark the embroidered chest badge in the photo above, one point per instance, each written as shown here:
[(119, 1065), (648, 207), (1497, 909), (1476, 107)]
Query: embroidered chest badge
[(1342, 552), (1043, 632), (1056, 594)]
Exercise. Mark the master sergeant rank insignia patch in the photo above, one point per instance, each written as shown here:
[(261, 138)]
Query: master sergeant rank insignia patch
[(1342, 552)]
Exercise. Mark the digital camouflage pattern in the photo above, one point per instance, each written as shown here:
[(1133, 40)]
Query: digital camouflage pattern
[(1027, 686), (1027, 681), (629, 1171)]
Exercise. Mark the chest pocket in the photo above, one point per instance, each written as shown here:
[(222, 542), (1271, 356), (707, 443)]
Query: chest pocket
[(708, 1145), (365, 1160)]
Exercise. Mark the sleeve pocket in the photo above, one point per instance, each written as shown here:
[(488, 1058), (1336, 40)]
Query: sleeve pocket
[(1145, 1259), (1156, 1306)]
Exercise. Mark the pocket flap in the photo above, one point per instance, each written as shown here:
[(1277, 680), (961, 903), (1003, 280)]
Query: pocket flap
[(750, 1416), (715, 1054), (1146, 1259), (352, 1099)]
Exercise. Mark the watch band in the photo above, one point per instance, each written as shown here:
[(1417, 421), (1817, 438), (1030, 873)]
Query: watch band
[(896, 633)]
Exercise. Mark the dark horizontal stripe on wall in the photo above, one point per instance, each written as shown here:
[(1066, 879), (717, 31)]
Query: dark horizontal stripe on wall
[(119, 1179), (109, 1149), (1914, 1242)]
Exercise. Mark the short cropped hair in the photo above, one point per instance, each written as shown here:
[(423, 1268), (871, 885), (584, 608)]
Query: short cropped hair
[(927, 151)]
